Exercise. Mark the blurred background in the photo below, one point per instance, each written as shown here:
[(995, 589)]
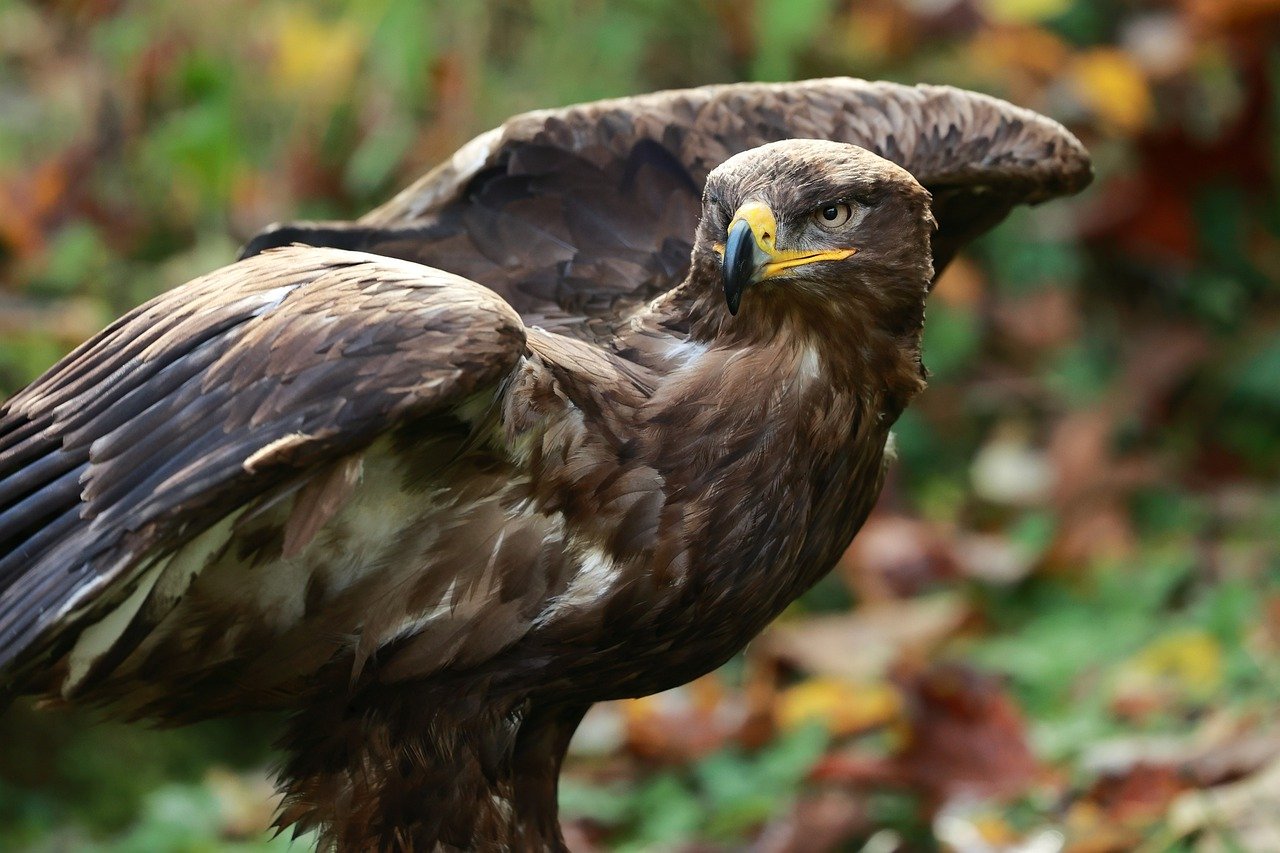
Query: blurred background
[(1061, 628)]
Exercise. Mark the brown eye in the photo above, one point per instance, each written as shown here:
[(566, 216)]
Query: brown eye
[(833, 216)]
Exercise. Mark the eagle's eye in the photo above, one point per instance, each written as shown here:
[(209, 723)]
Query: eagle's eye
[(833, 216)]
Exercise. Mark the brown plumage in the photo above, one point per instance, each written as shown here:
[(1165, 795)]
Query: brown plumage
[(436, 517)]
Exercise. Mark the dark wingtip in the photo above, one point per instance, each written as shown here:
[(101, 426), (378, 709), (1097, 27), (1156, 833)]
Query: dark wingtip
[(336, 236)]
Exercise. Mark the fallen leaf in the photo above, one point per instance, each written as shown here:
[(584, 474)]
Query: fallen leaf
[(1246, 809), (965, 737), (247, 802), (1044, 319), (1176, 668), (1113, 86), (1237, 757), (1029, 51), (1090, 830), (896, 556), (1023, 11), (845, 708), (993, 558), (1009, 469), (685, 723), (1138, 796), (976, 827), (962, 284), (315, 59), (1222, 14), (1160, 42), (861, 646), (30, 201), (819, 822), (602, 731)]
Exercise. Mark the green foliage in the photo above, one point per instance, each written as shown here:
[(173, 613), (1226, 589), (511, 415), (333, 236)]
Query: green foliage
[(721, 797), (951, 340), (58, 770), (783, 29)]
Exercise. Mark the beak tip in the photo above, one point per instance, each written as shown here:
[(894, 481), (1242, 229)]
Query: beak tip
[(738, 264)]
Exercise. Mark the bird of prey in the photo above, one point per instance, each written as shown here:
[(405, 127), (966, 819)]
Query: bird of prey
[(569, 419)]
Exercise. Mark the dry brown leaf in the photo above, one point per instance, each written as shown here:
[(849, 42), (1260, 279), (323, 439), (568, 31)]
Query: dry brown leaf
[(863, 645), (685, 723), (1217, 15), (818, 822), (1233, 759), (966, 737), (1042, 320), (1027, 50), (895, 556), (1247, 809), (962, 284), (68, 321), (1158, 360), (1089, 829), (29, 201), (1139, 796)]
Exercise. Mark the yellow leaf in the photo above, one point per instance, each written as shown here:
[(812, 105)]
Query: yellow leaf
[(1024, 11), (315, 59), (844, 707), (1187, 662), (1112, 85), (995, 830), (1022, 49)]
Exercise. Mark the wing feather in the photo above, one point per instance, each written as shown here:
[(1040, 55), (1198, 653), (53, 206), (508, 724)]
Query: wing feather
[(212, 395), (523, 207)]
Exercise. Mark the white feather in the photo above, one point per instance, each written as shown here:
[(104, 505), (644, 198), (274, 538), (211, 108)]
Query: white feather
[(97, 639)]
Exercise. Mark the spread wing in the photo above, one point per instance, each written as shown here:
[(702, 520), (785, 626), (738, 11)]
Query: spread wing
[(212, 395), (584, 211)]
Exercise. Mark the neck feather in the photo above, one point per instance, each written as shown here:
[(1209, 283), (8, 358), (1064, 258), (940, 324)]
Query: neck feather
[(863, 343)]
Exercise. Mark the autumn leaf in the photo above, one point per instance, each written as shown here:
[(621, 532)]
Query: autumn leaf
[(966, 736), (1182, 666), (315, 59), (862, 646), (844, 707), (1023, 11), (1221, 14), (1111, 84), (683, 723)]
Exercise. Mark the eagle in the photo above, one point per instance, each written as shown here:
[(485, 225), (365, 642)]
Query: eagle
[(569, 419)]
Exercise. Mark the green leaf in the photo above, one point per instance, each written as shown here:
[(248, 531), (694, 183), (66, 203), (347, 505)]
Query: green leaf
[(952, 337), (666, 811), (1257, 380), (782, 28)]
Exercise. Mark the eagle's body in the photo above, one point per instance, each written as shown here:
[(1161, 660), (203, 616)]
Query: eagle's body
[(437, 520)]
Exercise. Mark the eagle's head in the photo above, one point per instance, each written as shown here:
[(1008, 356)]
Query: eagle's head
[(817, 229)]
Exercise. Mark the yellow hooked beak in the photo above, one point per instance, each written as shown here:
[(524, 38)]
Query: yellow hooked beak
[(750, 252)]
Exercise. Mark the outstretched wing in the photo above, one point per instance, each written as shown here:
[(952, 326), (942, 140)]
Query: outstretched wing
[(212, 395), (584, 211)]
